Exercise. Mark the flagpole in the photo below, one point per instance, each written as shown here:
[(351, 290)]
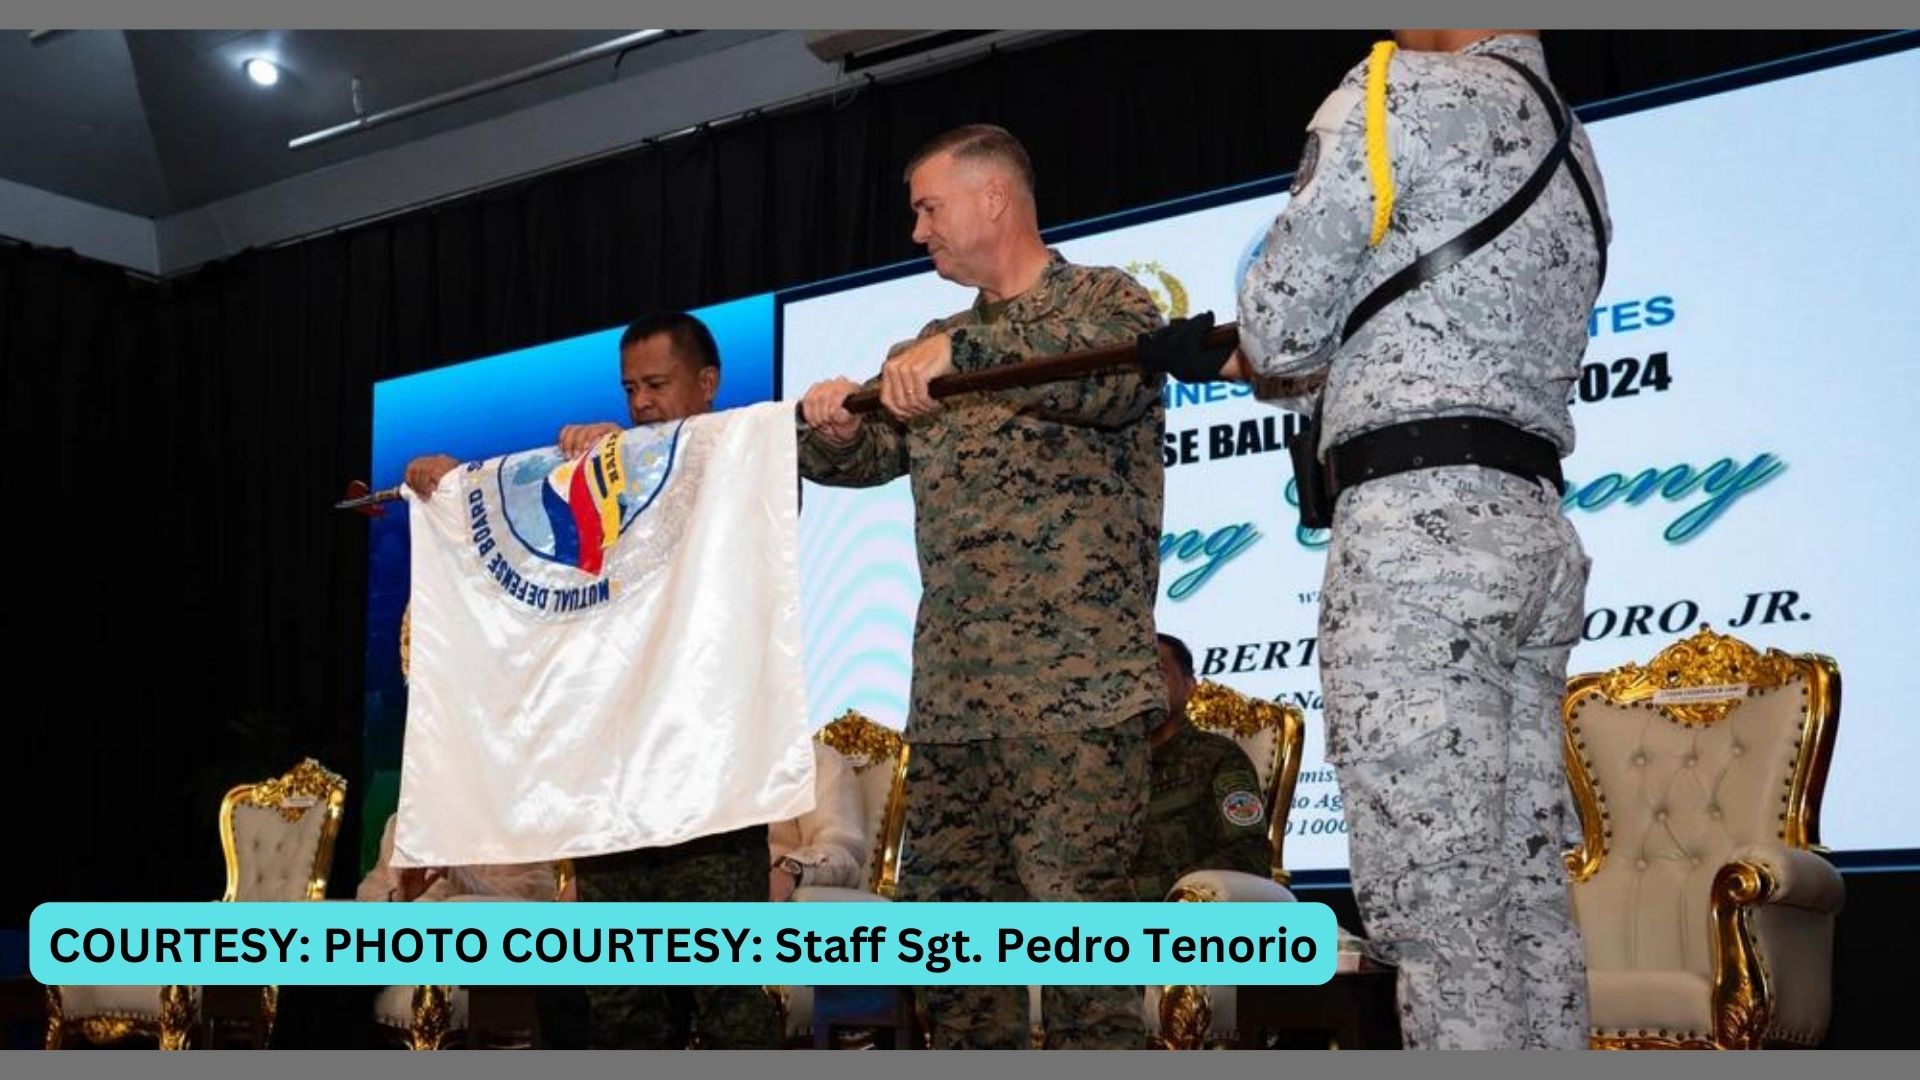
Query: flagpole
[(1033, 371), (360, 500)]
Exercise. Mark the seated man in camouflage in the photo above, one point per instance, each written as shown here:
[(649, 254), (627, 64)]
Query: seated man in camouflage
[(1206, 811)]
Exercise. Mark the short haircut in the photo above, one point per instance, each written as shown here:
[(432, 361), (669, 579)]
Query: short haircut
[(1182, 655), (979, 142), (692, 341)]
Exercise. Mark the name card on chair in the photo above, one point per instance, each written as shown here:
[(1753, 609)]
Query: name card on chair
[(1693, 695)]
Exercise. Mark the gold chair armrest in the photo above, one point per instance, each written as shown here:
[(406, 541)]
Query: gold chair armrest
[(1742, 996), (1800, 878)]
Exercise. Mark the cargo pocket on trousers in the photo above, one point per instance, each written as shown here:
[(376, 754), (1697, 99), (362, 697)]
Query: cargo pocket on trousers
[(1424, 778)]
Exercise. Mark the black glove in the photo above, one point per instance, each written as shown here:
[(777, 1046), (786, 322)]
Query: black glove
[(1179, 349)]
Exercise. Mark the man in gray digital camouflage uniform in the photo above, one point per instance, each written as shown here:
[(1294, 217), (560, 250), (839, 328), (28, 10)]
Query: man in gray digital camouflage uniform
[(1453, 594), (1037, 516)]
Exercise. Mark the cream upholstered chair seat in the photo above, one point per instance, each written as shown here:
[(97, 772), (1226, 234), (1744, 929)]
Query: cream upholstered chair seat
[(1708, 915), (103, 1015)]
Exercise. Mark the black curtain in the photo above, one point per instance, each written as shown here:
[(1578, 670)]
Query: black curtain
[(187, 613)]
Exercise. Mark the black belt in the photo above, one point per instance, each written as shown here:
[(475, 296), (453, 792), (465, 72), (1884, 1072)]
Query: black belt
[(1431, 444)]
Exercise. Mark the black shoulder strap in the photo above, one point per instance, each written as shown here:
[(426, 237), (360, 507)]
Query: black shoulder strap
[(1561, 123), (1435, 262)]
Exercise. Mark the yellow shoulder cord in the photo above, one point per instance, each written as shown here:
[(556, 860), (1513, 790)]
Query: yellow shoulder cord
[(1379, 163)]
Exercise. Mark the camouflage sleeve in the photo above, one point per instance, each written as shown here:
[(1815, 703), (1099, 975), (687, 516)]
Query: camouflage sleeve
[(877, 454), (1240, 818), (1299, 289), (1111, 309)]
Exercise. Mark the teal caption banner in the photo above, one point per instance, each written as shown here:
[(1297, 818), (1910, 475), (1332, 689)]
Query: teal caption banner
[(811, 944)]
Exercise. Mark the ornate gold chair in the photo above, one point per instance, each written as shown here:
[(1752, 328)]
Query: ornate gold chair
[(433, 1017), (878, 756), (278, 839), (1707, 912), (1273, 736)]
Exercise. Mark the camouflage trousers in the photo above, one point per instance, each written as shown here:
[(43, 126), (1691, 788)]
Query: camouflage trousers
[(726, 867), (1451, 601), (1052, 817)]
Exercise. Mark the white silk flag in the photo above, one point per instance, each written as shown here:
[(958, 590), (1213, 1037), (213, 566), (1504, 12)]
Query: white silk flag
[(606, 652)]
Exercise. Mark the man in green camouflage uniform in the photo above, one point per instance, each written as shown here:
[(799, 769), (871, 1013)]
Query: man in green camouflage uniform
[(1037, 514), (669, 370), (1205, 812), (730, 866)]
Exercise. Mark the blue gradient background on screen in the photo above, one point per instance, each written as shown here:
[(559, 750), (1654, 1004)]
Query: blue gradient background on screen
[(478, 409)]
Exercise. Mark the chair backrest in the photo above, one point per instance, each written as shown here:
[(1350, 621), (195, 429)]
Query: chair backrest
[(878, 756), (1676, 765), (1273, 735), (278, 834)]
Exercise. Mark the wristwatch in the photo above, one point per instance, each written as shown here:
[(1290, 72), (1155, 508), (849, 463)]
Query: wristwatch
[(792, 866)]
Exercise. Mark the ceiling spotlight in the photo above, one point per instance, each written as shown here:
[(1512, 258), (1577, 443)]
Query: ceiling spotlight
[(262, 71)]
